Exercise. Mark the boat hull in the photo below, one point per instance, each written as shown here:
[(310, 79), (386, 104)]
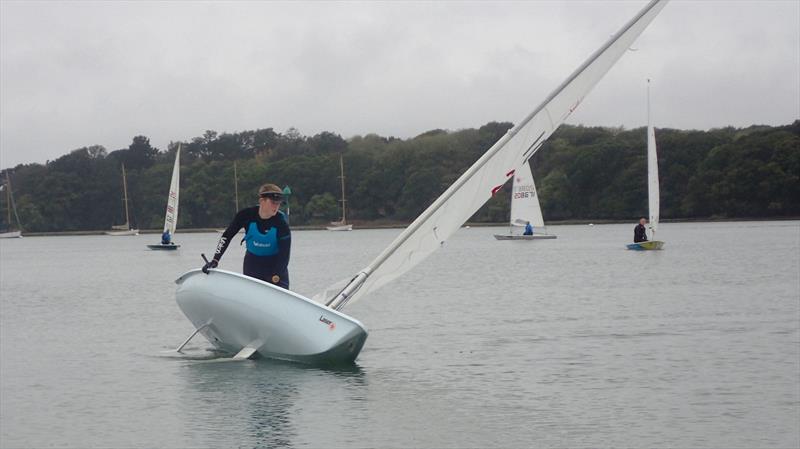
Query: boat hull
[(11, 235), (163, 247), (347, 227), (524, 237), (123, 233), (646, 246), (234, 311)]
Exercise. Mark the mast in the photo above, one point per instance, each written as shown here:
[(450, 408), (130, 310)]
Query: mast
[(343, 200), (236, 187), (8, 197), (125, 197)]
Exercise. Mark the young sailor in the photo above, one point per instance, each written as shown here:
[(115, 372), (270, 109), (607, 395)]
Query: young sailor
[(639, 232), (528, 229), (267, 237)]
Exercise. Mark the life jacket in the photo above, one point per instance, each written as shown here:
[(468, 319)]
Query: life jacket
[(260, 243)]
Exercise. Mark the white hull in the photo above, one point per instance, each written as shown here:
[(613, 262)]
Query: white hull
[(524, 237), (11, 235), (239, 311), (123, 233), (347, 227)]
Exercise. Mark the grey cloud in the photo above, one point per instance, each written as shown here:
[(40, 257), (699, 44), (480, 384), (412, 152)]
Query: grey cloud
[(77, 74)]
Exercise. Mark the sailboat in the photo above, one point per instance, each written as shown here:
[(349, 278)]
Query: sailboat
[(248, 317), (342, 224), (10, 233), (171, 217), (652, 186), (525, 208), (124, 229)]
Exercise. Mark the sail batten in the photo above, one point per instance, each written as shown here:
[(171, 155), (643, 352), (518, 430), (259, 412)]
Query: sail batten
[(475, 186)]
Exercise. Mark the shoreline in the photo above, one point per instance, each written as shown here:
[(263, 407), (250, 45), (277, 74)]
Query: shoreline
[(398, 225)]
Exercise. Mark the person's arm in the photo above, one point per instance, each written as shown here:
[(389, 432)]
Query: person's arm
[(237, 224)]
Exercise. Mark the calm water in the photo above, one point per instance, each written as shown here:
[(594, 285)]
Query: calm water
[(568, 342)]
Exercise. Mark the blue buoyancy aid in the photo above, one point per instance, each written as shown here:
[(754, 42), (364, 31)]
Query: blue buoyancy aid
[(259, 243)]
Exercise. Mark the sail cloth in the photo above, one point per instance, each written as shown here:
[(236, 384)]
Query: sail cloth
[(473, 188), (525, 205), (652, 169), (171, 217)]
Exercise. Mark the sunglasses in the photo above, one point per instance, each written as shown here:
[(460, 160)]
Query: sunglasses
[(272, 196)]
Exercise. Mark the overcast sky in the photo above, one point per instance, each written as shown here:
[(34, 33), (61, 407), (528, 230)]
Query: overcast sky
[(75, 74)]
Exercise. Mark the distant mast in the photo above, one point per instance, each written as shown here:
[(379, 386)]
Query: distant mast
[(125, 198), (235, 187), (344, 201)]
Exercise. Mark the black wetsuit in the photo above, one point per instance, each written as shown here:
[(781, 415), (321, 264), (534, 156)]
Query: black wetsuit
[(639, 233), (268, 245)]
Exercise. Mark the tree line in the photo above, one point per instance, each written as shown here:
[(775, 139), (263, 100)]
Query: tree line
[(582, 173)]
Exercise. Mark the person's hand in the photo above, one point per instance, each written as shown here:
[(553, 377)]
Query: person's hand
[(275, 278), (209, 265)]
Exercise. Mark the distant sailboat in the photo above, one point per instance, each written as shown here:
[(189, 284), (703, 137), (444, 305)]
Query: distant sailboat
[(171, 217), (525, 208), (652, 185), (10, 233), (341, 225), (124, 229)]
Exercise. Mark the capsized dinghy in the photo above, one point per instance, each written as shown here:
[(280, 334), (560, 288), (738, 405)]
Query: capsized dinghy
[(244, 315)]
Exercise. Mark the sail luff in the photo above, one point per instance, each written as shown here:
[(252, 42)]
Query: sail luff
[(653, 192), (474, 187), (171, 216)]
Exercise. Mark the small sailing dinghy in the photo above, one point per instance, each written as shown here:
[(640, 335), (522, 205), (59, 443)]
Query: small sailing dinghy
[(171, 217), (652, 186), (525, 208), (342, 224), (11, 232), (124, 229), (246, 316)]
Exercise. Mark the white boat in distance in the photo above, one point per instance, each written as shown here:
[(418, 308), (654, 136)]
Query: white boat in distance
[(171, 216), (124, 229), (653, 192), (248, 317), (10, 233), (525, 208), (342, 224)]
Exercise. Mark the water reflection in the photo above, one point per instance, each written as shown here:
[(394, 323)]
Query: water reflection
[(261, 403)]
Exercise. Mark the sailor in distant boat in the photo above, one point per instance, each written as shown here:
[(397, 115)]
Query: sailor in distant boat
[(640, 232), (528, 229), (166, 238), (267, 236)]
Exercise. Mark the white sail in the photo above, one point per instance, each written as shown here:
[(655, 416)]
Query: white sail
[(524, 200), (171, 218), (473, 188), (652, 169)]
